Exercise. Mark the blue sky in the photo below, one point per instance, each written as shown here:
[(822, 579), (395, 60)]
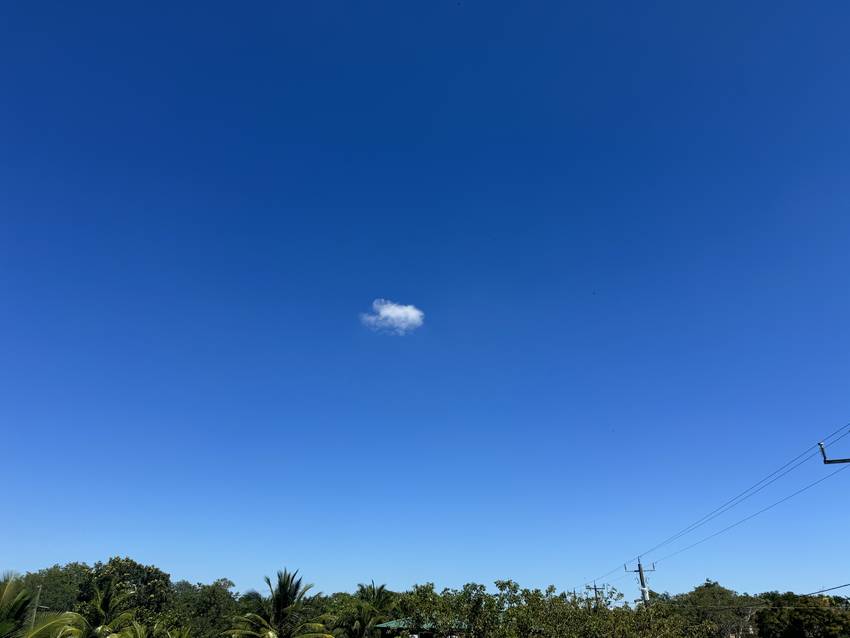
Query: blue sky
[(626, 227)]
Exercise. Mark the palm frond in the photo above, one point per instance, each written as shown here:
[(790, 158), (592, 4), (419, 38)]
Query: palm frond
[(47, 625), (15, 601)]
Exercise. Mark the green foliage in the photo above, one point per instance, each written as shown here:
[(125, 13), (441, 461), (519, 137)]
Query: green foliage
[(357, 616), (378, 597), (791, 616), (19, 617), (159, 631), (107, 612), (60, 585), (50, 624), (724, 611), (15, 602), (358, 621), (515, 612), (125, 599), (209, 609), (282, 614), (143, 588), (425, 609)]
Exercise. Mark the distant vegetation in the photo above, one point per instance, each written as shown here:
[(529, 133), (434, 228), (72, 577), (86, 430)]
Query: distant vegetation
[(125, 599)]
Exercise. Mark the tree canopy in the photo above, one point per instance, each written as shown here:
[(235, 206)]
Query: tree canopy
[(122, 598)]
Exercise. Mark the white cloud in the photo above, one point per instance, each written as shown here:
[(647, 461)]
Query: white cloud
[(388, 316)]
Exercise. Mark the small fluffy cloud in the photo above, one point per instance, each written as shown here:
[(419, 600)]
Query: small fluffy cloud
[(388, 316)]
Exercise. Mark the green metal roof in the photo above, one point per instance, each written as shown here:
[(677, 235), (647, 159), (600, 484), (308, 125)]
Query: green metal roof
[(405, 623), (401, 623)]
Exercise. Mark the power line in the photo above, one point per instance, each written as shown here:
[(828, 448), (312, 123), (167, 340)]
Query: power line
[(758, 605), (753, 605), (725, 507), (820, 591), (751, 516), (740, 498), (619, 578), (749, 492)]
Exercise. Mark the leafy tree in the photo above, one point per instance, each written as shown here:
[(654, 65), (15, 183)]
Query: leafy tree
[(476, 611), (208, 609), (727, 612), (125, 599), (791, 616), (333, 606), (142, 588), (423, 608), (60, 585)]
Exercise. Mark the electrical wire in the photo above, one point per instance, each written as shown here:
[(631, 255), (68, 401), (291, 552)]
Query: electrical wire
[(753, 605), (757, 487), (752, 516), (749, 492), (820, 591)]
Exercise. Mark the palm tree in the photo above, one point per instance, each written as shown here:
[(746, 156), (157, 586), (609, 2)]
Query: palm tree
[(283, 614), (135, 630), (52, 624), (105, 615), (19, 618), (132, 629), (360, 622), (255, 626), (378, 596), (374, 604), (161, 631), (14, 605)]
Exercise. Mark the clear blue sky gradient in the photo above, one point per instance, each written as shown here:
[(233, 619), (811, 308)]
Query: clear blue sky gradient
[(627, 226)]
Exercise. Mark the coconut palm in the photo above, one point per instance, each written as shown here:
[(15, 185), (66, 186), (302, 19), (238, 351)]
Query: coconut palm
[(359, 622), (161, 631), (19, 617), (51, 624), (105, 615), (135, 630), (15, 603), (132, 629), (255, 626), (284, 614), (312, 630), (378, 596)]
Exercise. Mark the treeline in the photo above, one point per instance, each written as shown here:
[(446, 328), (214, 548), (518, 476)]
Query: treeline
[(125, 599)]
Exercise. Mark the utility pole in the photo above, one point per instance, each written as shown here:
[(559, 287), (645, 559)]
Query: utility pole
[(830, 461), (35, 607), (595, 597), (644, 590)]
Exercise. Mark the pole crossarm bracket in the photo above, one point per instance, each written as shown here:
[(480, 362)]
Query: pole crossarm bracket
[(830, 461)]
